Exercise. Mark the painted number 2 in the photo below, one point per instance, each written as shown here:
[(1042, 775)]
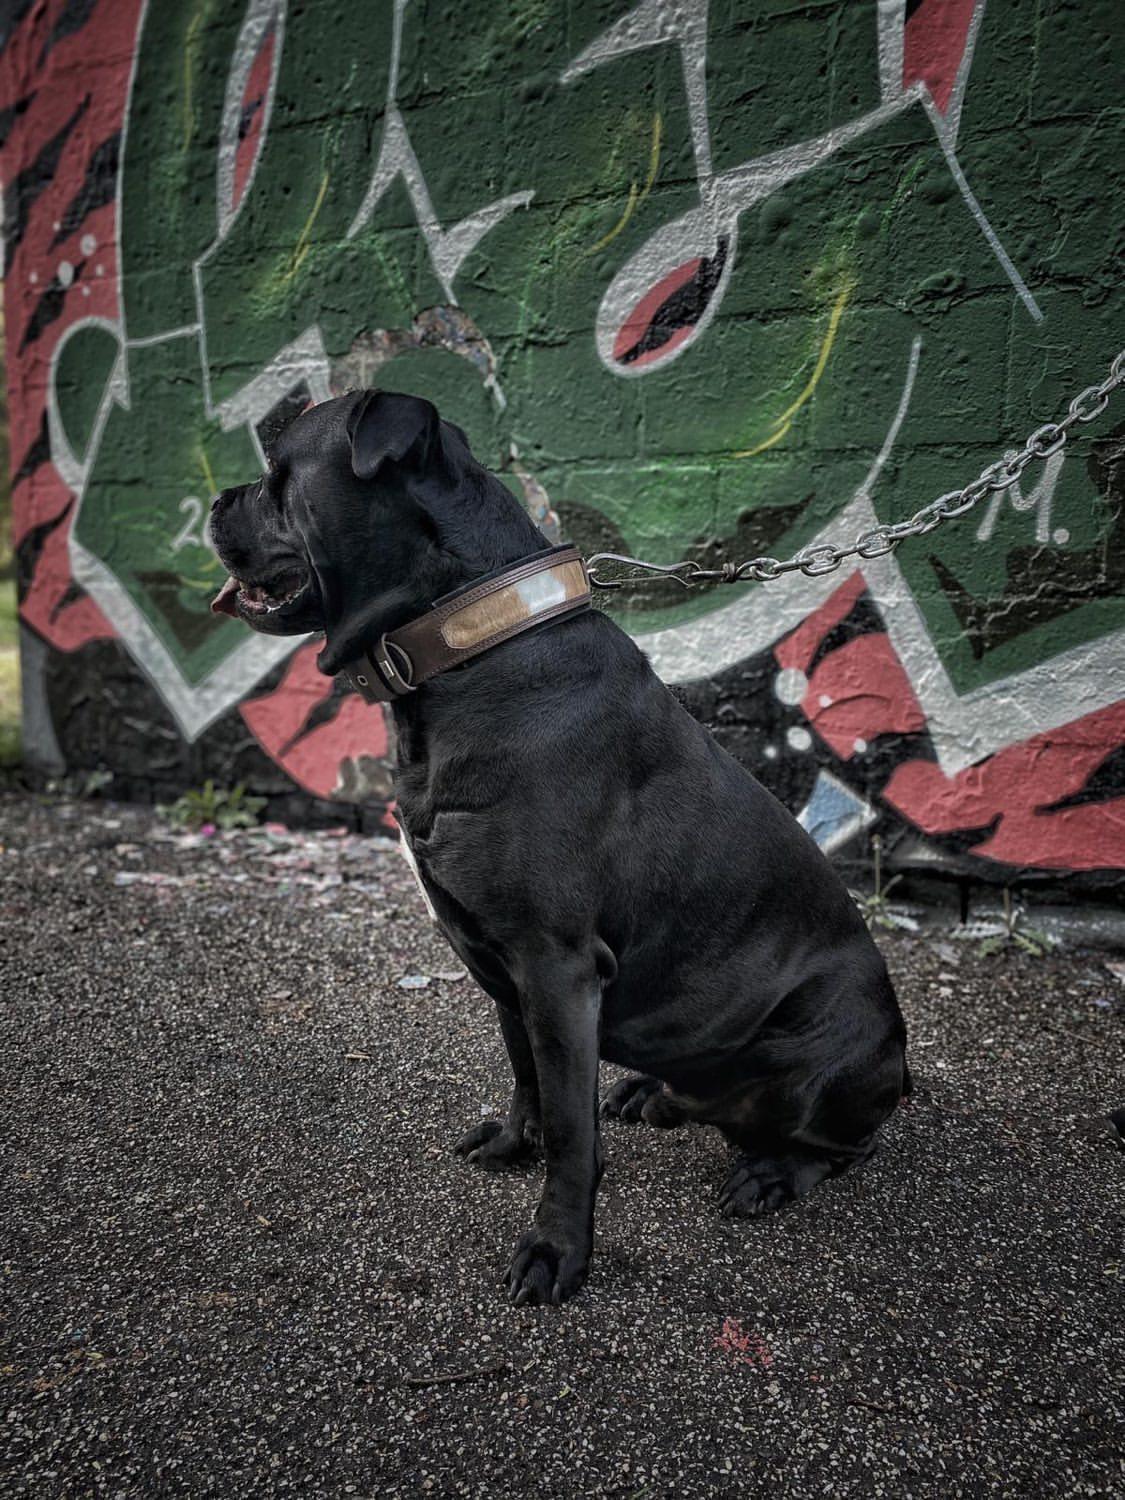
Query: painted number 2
[(196, 530)]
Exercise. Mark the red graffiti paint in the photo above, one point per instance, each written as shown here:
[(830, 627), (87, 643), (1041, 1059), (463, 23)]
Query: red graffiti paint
[(934, 43), (50, 607), (869, 693), (639, 321), (799, 646), (253, 114), (1019, 787), (57, 264), (313, 756), (856, 692), (859, 692)]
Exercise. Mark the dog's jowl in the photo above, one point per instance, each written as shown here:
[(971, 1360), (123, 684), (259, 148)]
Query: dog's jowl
[(616, 883)]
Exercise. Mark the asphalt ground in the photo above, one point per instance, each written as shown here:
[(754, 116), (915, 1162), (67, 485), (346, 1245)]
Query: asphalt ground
[(238, 1257)]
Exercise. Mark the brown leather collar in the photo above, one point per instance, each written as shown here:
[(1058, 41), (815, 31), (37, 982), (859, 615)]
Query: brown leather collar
[(547, 586)]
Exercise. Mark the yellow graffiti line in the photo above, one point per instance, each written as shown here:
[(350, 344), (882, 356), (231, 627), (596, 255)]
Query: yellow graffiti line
[(189, 47), (302, 247), (636, 198), (785, 421), (768, 443), (653, 157), (212, 487), (621, 223), (822, 359)]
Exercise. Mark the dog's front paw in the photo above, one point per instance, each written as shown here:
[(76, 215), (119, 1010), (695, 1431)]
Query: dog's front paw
[(546, 1268), (497, 1145)]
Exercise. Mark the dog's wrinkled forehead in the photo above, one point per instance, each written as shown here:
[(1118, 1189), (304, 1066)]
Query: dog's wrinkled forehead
[(316, 435)]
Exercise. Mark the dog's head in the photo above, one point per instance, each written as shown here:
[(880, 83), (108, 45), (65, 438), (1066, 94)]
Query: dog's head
[(372, 507)]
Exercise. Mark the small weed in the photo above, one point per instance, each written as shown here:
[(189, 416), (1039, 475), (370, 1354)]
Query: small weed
[(1016, 934), (214, 807), (873, 905), (79, 785)]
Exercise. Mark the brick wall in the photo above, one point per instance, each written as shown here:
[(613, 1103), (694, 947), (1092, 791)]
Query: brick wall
[(706, 280)]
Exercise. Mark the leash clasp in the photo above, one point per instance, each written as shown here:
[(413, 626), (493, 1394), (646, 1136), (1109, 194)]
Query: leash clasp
[(686, 573)]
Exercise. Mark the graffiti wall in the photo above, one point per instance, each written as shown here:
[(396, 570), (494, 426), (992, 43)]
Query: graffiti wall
[(704, 280)]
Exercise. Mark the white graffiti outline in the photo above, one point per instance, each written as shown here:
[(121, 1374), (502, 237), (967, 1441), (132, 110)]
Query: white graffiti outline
[(964, 727), (195, 707), (1040, 500), (891, 47), (260, 15), (726, 196), (448, 248)]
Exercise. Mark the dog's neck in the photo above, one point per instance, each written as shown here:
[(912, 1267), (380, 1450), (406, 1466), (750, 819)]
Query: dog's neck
[(472, 528), (549, 585)]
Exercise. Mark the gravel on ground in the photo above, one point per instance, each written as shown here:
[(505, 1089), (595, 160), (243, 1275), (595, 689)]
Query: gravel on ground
[(237, 1256)]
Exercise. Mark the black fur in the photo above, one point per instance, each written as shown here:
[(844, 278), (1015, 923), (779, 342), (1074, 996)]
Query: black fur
[(614, 881)]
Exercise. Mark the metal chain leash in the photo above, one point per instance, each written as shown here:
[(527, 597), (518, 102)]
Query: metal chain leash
[(825, 557)]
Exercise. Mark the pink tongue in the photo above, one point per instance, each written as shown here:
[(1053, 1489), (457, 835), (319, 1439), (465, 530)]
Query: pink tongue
[(224, 601)]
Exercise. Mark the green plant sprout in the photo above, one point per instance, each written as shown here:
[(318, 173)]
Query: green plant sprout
[(215, 807), (81, 786), (1016, 934), (873, 906)]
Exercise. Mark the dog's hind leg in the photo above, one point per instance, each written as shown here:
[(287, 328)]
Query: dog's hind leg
[(797, 1133), (498, 1144), (628, 1097), (760, 1183)]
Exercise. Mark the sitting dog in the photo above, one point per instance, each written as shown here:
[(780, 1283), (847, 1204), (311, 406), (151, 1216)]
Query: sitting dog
[(613, 880)]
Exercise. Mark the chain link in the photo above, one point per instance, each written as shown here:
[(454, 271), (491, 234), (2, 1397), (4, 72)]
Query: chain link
[(826, 557)]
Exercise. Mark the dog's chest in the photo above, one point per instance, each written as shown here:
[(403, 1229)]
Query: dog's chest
[(408, 855)]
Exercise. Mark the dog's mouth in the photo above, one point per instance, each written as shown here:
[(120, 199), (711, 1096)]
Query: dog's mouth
[(239, 597)]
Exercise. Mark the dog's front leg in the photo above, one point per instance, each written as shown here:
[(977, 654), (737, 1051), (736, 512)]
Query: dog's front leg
[(496, 1144), (561, 1003)]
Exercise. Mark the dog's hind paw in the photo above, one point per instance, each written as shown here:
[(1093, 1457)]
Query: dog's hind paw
[(628, 1097), (759, 1185), (497, 1146)]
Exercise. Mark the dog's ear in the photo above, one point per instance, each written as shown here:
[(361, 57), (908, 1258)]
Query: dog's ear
[(387, 426)]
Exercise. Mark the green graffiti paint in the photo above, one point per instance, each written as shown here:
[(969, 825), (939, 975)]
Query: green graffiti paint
[(846, 326)]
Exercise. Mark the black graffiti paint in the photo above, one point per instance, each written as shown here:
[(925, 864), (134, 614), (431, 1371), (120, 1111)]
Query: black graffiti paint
[(98, 187), (10, 17), (1106, 783), (683, 309), (31, 546), (9, 116), (37, 454), (21, 193), (71, 19), (49, 307)]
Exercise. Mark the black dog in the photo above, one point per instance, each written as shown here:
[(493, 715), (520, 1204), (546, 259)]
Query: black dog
[(616, 883)]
